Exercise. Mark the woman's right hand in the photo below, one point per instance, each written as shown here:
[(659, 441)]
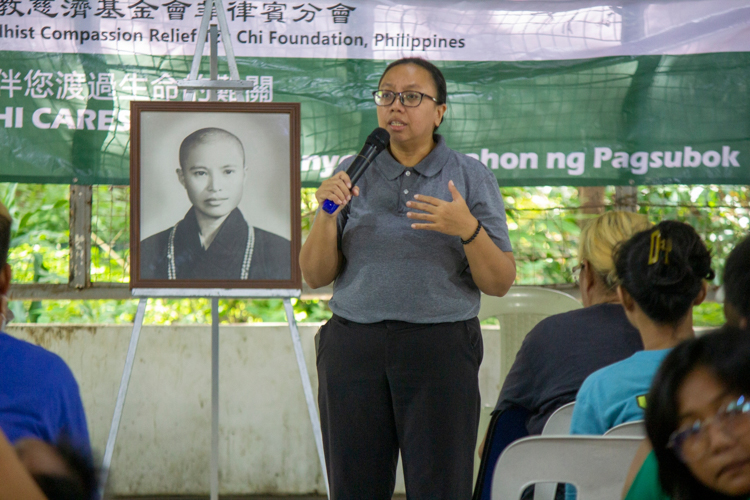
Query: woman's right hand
[(320, 258), (338, 189)]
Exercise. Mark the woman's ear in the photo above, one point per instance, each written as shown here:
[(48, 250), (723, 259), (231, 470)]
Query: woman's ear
[(441, 109), (702, 294), (588, 270), (6, 275), (625, 298)]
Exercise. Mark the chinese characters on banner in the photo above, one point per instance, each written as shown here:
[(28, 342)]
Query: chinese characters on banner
[(76, 86), (176, 10)]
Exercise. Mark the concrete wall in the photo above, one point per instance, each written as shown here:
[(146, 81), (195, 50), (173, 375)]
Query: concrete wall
[(266, 442)]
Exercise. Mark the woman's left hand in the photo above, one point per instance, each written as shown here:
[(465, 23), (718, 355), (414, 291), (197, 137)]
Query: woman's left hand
[(447, 217)]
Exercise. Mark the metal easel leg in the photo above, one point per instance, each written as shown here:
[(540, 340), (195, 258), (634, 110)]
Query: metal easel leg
[(124, 382), (213, 94), (226, 38), (305, 376), (215, 398)]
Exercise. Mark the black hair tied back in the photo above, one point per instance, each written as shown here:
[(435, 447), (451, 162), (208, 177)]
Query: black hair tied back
[(663, 269)]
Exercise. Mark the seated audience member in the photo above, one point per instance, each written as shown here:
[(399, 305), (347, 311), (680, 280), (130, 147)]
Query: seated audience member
[(737, 312), (662, 274), (562, 350), (38, 395), (737, 285), (698, 419)]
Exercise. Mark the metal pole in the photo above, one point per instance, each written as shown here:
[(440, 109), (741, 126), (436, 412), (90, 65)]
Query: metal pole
[(307, 388), (226, 38), (124, 382), (196, 65), (215, 398), (213, 93), (213, 96), (191, 84)]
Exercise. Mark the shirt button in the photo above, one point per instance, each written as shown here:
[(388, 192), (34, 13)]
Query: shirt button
[(408, 173), (406, 191)]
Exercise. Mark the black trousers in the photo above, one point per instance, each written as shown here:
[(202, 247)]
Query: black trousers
[(393, 386)]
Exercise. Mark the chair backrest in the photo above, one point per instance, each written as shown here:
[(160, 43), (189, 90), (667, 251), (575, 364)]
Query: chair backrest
[(504, 428), (558, 423), (527, 300), (518, 312), (636, 428), (485, 418), (596, 465)]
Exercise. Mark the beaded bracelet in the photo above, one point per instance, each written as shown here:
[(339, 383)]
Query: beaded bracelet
[(479, 228)]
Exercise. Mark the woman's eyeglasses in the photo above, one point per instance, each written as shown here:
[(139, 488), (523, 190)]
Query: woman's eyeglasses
[(692, 443), (409, 98)]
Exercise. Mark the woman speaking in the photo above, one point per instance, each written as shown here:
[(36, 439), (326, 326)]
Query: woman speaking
[(409, 248)]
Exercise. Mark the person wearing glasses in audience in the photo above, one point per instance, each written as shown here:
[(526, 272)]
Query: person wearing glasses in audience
[(643, 474), (409, 250), (698, 420), (562, 350)]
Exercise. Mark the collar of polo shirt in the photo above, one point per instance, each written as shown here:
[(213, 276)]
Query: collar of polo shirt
[(430, 165)]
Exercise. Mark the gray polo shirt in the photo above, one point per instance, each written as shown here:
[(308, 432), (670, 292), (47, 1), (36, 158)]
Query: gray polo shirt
[(394, 272)]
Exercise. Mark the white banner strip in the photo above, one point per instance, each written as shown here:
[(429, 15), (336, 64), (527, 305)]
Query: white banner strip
[(371, 29)]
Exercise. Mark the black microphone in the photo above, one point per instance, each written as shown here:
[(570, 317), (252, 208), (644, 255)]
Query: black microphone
[(375, 143)]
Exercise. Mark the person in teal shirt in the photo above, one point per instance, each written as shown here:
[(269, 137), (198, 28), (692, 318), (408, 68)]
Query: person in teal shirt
[(662, 274)]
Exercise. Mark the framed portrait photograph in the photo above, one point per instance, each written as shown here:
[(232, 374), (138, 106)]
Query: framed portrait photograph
[(215, 195)]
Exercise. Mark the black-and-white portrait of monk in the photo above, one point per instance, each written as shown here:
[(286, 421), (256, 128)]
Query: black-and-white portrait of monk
[(213, 240)]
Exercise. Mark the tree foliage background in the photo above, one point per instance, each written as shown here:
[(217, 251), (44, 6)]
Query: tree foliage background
[(544, 225)]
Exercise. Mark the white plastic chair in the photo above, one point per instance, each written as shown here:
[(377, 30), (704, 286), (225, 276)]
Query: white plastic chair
[(596, 465), (636, 428), (558, 424), (518, 312)]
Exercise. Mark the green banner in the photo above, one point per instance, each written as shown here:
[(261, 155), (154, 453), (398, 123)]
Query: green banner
[(64, 118)]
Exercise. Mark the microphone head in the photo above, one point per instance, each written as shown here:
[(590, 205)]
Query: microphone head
[(379, 138)]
